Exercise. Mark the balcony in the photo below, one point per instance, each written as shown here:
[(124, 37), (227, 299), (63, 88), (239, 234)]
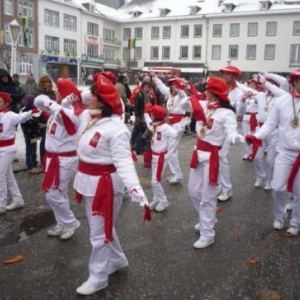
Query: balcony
[(110, 41)]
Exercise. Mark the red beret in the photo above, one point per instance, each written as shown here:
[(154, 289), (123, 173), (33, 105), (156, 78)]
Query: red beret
[(107, 91), (66, 87), (218, 87), (159, 112), (6, 97), (110, 76), (294, 75), (231, 69)]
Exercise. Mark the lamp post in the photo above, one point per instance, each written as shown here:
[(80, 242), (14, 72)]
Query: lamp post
[(15, 29), (205, 71), (228, 61)]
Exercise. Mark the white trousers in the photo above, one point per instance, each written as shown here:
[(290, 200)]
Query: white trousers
[(103, 254), (8, 181), (204, 199), (158, 191), (173, 160), (58, 198), (224, 173), (246, 130), (283, 165)]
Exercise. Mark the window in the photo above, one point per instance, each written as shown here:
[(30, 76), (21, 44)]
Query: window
[(217, 30), (127, 34), (184, 51), (26, 66), (51, 18), (92, 50), (70, 22), (197, 52), (7, 34), (138, 33), (295, 56), (25, 9), (155, 32), (51, 43), (126, 53), (234, 30), (166, 32), (216, 52), (252, 29), (137, 53), (109, 35), (270, 52), (108, 55), (264, 5), (154, 52), (184, 31), (233, 51), (92, 28), (166, 50), (271, 28), (8, 7), (251, 52), (296, 30), (197, 31), (26, 38), (70, 46)]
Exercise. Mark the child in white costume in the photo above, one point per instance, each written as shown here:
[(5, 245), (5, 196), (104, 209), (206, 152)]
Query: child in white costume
[(162, 136), (8, 122), (215, 124)]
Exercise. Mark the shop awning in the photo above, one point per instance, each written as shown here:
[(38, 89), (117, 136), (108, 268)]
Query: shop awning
[(192, 70)]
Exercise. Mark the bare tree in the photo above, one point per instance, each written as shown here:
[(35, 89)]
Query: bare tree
[(5, 52)]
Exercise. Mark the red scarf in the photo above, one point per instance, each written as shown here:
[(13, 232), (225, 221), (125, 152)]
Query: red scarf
[(198, 112), (252, 121), (294, 93), (256, 143), (160, 164), (69, 125), (293, 174), (214, 105), (4, 110), (232, 86)]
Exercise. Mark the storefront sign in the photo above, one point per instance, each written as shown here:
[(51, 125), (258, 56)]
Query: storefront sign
[(92, 60), (61, 60)]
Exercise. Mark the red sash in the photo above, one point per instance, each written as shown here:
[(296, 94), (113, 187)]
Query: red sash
[(175, 118), (213, 160), (51, 179), (293, 174), (5, 143), (160, 164), (103, 202), (253, 121)]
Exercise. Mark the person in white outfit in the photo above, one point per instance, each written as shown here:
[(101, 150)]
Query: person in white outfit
[(230, 75), (174, 93), (8, 122), (105, 168), (162, 135), (60, 160), (215, 124), (285, 116)]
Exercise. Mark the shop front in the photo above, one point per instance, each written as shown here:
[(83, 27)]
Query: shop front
[(90, 65)]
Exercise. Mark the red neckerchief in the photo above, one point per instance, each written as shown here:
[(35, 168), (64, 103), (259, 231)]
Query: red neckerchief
[(4, 110), (174, 94), (214, 105), (294, 94), (96, 116), (232, 85)]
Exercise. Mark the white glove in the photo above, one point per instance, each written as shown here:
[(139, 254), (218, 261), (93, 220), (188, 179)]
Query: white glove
[(261, 79), (186, 121), (42, 102), (151, 72), (237, 139), (137, 195), (132, 119), (265, 74), (85, 95), (68, 101)]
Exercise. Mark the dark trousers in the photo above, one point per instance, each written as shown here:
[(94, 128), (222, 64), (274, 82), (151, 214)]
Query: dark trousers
[(42, 143), (31, 157)]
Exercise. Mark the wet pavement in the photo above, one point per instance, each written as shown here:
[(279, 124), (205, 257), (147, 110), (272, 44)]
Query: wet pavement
[(249, 259)]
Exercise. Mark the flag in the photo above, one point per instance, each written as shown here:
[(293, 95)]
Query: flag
[(26, 29), (131, 43)]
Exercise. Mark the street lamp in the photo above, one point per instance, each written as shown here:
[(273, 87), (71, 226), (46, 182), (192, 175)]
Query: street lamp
[(228, 61), (15, 29)]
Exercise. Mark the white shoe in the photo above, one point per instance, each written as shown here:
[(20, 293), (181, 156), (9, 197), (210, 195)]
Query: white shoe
[(161, 207), (114, 268), (169, 178), (293, 230), (88, 288), (56, 231), (245, 157), (225, 196), (15, 205), (267, 186), (197, 227), (289, 206), (153, 204), (174, 180), (202, 243), (69, 231), (258, 182), (278, 224)]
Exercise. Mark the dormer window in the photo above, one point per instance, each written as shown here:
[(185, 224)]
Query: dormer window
[(265, 5), (229, 7), (164, 12), (194, 9), (135, 13)]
